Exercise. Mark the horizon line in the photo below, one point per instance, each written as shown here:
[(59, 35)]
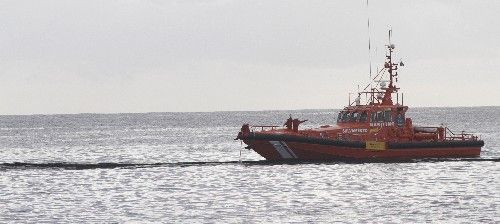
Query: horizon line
[(216, 111)]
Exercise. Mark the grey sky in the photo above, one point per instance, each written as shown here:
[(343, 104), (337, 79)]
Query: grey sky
[(60, 56)]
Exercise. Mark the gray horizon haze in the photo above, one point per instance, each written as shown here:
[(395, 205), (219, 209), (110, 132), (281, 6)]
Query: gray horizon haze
[(59, 57)]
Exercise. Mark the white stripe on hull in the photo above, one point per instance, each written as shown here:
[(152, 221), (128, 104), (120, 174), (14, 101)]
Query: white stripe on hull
[(283, 149), (289, 149)]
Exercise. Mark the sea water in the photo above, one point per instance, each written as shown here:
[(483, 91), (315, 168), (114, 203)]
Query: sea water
[(183, 168)]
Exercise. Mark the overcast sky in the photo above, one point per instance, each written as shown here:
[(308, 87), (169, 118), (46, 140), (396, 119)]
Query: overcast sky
[(104, 56)]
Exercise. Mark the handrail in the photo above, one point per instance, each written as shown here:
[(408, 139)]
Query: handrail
[(450, 134), (461, 136), (265, 126), (447, 129)]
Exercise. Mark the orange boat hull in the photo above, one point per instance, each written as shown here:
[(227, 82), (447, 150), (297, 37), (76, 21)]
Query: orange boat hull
[(309, 150)]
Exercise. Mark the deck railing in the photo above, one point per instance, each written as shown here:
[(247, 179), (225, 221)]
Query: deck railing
[(264, 127), (462, 136), (448, 134)]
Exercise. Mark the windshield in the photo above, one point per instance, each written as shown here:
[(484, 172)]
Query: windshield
[(363, 116)]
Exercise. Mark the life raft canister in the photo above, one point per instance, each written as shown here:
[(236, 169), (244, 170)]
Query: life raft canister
[(400, 120)]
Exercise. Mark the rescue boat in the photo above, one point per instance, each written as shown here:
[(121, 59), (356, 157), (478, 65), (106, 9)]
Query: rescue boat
[(375, 130)]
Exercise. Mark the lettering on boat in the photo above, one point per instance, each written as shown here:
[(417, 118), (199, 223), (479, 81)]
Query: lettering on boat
[(354, 130), (381, 124)]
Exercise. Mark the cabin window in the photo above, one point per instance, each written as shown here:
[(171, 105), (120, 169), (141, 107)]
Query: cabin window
[(363, 116), (388, 116), (339, 118), (345, 116), (354, 116), (373, 117), (380, 116)]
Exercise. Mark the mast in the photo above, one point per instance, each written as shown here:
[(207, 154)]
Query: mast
[(391, 67), (383, 95)]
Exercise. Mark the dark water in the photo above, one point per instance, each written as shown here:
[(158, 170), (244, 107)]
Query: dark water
[(182, 167)]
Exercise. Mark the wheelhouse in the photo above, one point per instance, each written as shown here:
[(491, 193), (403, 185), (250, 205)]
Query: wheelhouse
[(353, 116)]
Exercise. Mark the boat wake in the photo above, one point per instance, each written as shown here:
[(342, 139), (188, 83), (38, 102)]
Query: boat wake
[(85, 166)]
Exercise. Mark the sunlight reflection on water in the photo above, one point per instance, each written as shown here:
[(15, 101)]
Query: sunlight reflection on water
[(462, 191)]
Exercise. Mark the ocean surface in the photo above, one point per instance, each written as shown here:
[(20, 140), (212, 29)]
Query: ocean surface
[(183, 168)]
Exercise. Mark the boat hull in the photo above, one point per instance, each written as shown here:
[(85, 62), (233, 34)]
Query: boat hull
[(282, 147)]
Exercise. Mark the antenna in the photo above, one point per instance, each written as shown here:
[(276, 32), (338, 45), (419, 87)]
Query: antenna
[(369, 41), (390, 34), (369, 45)]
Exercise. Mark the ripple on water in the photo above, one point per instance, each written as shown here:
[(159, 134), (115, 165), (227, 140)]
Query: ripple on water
[(445, 192)]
